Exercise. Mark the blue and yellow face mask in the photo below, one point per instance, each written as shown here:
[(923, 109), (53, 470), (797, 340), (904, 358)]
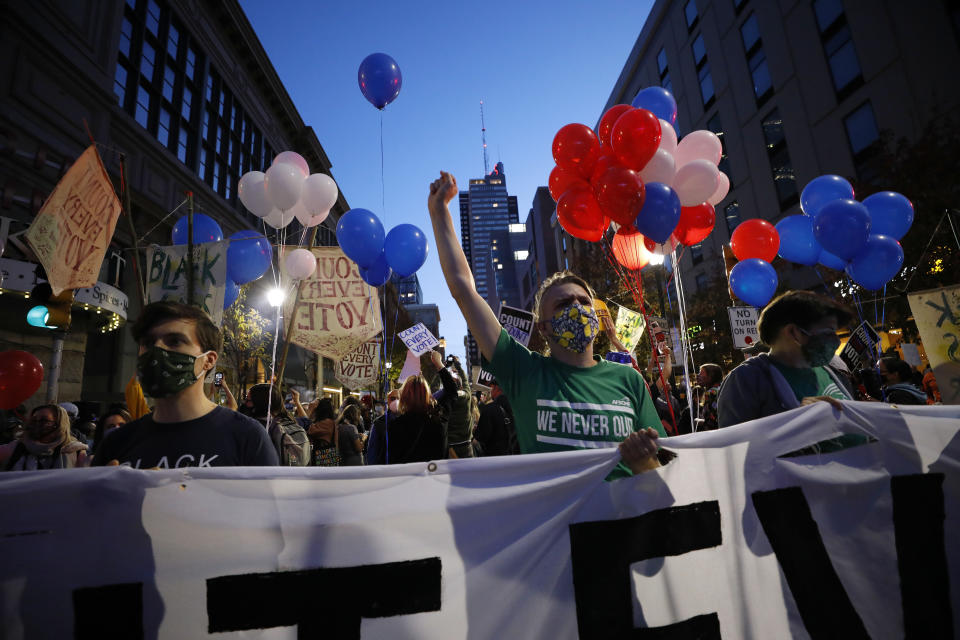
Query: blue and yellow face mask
[(574, 327)]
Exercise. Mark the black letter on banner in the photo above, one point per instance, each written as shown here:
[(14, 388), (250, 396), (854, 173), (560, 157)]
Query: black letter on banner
[(112, 611), (918, 516), (602, 552), (323, 603), (822, 601)]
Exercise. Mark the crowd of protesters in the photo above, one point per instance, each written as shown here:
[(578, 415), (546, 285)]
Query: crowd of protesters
[(568, 398)]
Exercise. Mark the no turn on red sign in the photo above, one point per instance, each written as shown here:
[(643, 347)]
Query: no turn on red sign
[(743, 326)]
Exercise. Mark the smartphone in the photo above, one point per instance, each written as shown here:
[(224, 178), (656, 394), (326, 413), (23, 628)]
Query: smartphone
[(218, 378)]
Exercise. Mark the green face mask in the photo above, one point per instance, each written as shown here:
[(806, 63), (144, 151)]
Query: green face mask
[(820, 348), (164, 373)]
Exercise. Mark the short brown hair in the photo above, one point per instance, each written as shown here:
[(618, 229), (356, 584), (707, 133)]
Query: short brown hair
[(208, 334), (802, 308), (714, 372), (560, 277)]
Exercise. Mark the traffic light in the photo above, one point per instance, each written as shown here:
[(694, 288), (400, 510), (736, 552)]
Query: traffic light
[(728, 261), (50, 312)]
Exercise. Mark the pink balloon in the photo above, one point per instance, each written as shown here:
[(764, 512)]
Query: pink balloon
[(252, 192), (294, 158), (284, 184), (319, 193), (695, 182), (661, 168), (300, 263), (699, 145), (723, 188), (668, 137)]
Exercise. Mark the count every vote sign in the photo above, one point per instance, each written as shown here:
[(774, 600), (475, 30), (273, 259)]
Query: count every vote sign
[(418, 339)]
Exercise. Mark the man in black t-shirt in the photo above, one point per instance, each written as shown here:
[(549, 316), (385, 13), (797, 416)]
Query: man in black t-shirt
[(179, 344)]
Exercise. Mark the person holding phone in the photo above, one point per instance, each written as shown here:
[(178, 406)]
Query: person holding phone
[(218, 384)]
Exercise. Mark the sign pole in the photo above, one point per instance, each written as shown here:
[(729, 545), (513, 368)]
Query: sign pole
[(293, 315), (56, 358)]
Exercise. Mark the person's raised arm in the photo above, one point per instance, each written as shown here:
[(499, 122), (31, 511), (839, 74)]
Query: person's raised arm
[(480, 319)]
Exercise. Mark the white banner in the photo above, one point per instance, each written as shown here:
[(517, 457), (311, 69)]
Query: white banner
[(728, 540)]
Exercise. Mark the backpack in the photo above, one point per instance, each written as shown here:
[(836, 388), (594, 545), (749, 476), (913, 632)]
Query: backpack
[(326, 447), (290, 441)]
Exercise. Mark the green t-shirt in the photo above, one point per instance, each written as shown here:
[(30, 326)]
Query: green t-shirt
[(558, 407)]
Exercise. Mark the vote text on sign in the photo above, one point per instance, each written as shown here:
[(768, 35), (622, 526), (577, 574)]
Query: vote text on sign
[(418, 339)]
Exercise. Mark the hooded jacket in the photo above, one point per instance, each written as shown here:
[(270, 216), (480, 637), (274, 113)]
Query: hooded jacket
[(25, 455), (904, 393)]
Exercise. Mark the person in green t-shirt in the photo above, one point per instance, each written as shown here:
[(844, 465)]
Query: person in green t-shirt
[(570, 399)]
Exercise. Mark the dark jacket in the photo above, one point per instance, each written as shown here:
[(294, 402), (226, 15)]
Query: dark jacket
[(495, 430), (416, 437), (456, 403), (756, 389), (904, 393)]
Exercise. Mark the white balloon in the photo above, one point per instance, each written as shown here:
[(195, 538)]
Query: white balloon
[(279, 219), (284, 183), (253, 193), (305, 217), (319, 193), (695, 182), (668, 137), (300, 263), (667, 247), (699, 145), (723, 188), (660, 168), (294, 158)]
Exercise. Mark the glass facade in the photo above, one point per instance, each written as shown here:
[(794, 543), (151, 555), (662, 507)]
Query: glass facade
[(780, 165), (756, 59), (838, 46)]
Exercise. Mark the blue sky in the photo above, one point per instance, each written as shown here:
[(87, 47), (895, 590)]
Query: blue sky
[(536, 65)]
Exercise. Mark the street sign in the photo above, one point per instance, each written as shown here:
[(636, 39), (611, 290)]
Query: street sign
[(743, 326)]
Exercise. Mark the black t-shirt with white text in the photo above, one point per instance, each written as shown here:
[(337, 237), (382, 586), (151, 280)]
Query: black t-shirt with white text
[(221, 438)]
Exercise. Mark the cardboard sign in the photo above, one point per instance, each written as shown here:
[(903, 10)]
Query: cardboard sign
[(743, 326), (167, 275), (630, 327), (518, 324), (73, 228), (937, 314), (418, 339), (360, 367), (337, 311), (860, 352)]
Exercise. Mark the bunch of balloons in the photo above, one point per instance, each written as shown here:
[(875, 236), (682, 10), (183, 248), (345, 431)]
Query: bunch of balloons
[(361, 236), (248, 256), (837, 231), (634, 172), (20, 376), (755, 244), (288, 190)]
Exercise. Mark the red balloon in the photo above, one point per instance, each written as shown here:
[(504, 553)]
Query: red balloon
[(695, 224), (635, 138), (580, 215), (755, 238), (604, 162), (607, 121), (629, 251), (20, 376), (576, 149), (561, 180), (620, 194)]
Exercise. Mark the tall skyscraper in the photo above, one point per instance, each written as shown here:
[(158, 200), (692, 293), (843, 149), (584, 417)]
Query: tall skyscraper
[(485, 208)]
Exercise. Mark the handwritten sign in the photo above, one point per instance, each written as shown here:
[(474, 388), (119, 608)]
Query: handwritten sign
[(361, 366), (167, 276), (743, 326), (518, 323), (74, 226), (337, 311), (630, 327), (937, 313), (418, 339)]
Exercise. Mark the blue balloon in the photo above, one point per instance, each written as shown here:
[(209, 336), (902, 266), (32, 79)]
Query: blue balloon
[(378, 274), (360, 235), (797, 242), (754, 281), (660, 212), (879, 261), (822, 190), (659, 102), (842, 227), (891, 214), (248, 256), (827, 259), (405, 249), (205, 229), (230, 294), (380, 79)]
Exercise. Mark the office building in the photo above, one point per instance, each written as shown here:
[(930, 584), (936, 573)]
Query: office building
[(408, 289)]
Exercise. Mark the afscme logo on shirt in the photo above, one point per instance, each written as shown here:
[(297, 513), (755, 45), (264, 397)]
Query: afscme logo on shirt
[(624, 402)]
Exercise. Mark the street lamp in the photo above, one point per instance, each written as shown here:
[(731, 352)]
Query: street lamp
[(275, 297)]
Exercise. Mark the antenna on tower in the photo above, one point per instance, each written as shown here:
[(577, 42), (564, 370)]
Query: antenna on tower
[(483, 137)]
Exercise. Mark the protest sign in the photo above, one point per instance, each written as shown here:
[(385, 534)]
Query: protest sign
[(418, 339), (861, 349), (360, 367), (603, 314), (728, 540), (73, 228), (337, 310), (743, 326), (937, 314), (167, 275), (630, 327), (911, 354), (518, 324), (411, 366)]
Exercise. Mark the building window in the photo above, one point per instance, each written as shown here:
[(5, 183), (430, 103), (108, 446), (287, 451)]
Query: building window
[(696, 253), (664, 70), (714, 125), (838, 47), (690, 13), (703, 71), (120, 84), (142, 114), (780, 165), (863, 135), (701, 281), (732, 214), (756, 59)]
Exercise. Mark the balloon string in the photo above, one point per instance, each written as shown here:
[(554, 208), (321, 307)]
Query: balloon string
[(383, 185), (825, 288)]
